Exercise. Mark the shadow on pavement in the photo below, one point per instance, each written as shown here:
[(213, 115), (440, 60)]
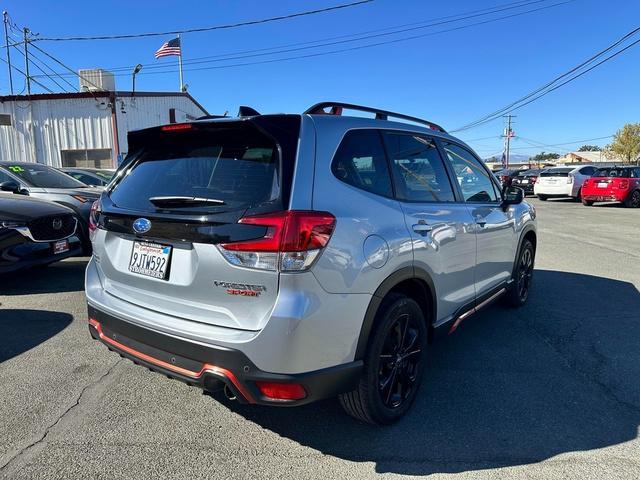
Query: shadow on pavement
[(65, 276), (513, 387), (21, 330)]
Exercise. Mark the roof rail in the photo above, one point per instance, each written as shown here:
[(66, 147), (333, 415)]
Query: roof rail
[(337, 107)]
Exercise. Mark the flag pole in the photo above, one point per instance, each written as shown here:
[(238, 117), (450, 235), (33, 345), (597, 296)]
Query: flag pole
[(180, 62)]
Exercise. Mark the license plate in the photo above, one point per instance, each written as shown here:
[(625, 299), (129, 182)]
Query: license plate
[(150, 260), (603, 185), (60, 246), (524, 181)]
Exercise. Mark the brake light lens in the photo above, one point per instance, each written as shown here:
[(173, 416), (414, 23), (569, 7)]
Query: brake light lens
[(282, 391), (569, 178), (176, 126), (292, 241), (94, 216)]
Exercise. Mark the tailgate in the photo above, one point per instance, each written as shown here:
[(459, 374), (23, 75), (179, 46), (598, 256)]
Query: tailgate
[(178, 198)]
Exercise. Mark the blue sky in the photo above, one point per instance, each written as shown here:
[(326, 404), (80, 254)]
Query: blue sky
[(451, 78)]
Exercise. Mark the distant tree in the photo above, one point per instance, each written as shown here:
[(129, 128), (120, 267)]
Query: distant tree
[(544, 157), (626, 143), (590, 148)]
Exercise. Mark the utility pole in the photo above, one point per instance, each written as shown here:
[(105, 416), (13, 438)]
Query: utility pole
[(508, 135), (5, 16), (25, 31)]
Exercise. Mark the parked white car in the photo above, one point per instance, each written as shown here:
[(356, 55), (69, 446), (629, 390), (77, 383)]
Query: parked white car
[(561, 182)]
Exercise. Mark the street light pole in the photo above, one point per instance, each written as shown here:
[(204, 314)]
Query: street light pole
[(137, 68)]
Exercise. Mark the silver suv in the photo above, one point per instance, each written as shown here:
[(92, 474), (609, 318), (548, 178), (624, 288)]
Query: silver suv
[(289, 258)]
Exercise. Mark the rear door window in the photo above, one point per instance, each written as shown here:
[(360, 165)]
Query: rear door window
[(361, 162), (234, 166), (419, 174)]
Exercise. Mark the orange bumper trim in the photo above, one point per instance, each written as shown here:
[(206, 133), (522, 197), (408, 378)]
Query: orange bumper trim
[(218, 371)]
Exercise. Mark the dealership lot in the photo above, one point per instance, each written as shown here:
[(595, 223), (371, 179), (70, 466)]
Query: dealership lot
[(548, 391)]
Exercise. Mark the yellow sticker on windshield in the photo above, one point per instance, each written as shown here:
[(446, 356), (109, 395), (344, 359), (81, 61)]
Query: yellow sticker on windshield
[(16, 169)]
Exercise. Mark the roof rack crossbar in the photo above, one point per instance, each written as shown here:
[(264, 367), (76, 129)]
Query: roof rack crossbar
[(336, 109)]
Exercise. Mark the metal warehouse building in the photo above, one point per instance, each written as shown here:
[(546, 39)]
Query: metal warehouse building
[(84, 129)]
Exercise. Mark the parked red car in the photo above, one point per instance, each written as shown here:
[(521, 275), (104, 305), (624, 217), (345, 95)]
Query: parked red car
[(613, 184)]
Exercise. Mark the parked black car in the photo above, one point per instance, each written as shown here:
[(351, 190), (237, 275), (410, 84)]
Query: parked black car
[(506, 176), (526, 179), (35, 232), (94, 177), (48, 183)]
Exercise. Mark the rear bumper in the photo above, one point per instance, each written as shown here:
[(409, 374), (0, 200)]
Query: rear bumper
[(565, 190), (527, 187), (16, 253), (604, 196), (210, 367)]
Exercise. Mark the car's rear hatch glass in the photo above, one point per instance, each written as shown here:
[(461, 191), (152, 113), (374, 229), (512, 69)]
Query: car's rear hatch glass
[(558, 172), (190, 186)]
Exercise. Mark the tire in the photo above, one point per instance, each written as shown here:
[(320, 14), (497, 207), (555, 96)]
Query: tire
[(633, 200), (542, 198), (578, 196), (587, 203), (518, 293), (391, 378)]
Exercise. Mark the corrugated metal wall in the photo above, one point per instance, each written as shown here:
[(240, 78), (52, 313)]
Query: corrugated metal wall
[(42, 128)]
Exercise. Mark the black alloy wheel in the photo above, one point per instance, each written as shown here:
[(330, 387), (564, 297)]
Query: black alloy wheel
[(518, 292), (634, 199), (525, 273), (393, 364), (399, 361)]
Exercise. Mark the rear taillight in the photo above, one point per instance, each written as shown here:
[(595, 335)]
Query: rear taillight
[(569, 178), (292, 241), (623, 184), (94, 216)]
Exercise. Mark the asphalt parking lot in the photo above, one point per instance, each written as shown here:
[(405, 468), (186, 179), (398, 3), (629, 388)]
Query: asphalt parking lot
[(548, 391)]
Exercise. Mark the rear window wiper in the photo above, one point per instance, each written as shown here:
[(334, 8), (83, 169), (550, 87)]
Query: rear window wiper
[(176, 201)]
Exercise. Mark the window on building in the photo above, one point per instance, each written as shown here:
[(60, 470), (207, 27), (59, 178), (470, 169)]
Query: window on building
[(5, 120), (91, 158)]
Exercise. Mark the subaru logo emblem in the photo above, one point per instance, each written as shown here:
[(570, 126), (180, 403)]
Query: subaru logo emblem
[(141, 225), (56, 224)]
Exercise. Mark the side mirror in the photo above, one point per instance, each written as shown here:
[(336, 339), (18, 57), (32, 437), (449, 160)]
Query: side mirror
[(512, 196), (10, 186)]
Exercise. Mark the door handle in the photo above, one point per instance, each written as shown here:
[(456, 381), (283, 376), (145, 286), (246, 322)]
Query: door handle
[(422, 228)]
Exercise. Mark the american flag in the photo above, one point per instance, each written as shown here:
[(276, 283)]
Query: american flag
[(172, 47)]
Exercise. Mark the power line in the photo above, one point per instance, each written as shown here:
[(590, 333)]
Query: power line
[(540, 144), (57, 74), (548, 87), (71, 70), (37, 65), (349, 38), (207, 29), (360, 47), (26, 76)]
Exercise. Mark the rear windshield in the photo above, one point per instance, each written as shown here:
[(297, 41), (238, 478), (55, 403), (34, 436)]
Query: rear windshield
[(41, 176), (529, 173), (615, 172), (557, 172), (236, 166)]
